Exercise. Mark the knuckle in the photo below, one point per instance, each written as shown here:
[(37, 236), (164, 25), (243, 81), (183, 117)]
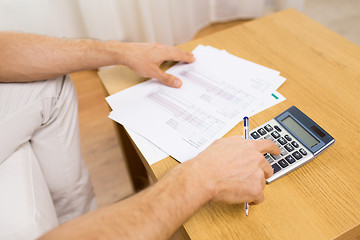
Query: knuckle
[(259, 174), (260, 199), (258, 157), (257, 191)]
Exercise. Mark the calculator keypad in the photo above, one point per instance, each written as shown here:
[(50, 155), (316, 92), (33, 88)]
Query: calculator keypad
[(303, 152), (293, 153), (275, 134), (255, 135)]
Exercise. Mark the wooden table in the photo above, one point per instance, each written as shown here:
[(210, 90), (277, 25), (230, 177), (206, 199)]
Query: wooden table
[(320, 200)]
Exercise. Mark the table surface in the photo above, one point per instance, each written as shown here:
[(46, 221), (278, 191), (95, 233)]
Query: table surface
[(320, 200)]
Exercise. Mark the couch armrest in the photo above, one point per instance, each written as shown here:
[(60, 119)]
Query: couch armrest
[(26, 207)]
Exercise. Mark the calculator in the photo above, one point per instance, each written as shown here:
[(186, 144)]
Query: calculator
[(300, 140)]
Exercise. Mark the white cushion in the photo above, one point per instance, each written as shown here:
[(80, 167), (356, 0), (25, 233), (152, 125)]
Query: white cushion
[(26, 208)]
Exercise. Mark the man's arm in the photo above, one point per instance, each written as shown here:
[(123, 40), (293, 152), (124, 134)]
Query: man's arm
[(31, 57), (231, 170)]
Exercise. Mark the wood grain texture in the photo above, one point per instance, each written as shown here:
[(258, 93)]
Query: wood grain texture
[(320, 200), (99, 143), (219, 26)]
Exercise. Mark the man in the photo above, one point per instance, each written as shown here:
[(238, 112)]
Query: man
[(231, 170)]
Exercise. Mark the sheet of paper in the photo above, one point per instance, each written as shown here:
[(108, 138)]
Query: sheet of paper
[(153, 154), (182, 122)]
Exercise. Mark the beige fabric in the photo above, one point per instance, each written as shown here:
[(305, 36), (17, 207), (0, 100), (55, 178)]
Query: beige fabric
[(26, 207), (44, 114)]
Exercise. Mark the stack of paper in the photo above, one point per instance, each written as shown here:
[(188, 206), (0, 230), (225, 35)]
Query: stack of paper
[(218, 90)]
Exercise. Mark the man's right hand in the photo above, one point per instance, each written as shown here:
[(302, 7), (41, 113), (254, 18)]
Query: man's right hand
[(231, 170), (235, 170)]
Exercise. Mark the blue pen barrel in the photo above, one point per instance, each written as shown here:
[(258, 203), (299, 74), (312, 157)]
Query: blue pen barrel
[(246, 128)]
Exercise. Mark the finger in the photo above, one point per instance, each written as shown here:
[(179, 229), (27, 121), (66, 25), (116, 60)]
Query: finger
[(258, 183), (268, 171), (167, 79), (181, 55), (259, 200), (267, 146)]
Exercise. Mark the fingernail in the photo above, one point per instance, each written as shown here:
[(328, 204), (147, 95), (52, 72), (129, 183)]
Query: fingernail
[(177, 83)]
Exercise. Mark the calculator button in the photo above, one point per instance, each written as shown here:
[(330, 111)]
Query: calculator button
[(283, 151), (289, 147), (282, 141), (303, 152), (290, 159), (276, 157), (275, 135), (287, 137), (255, 135), (295, 144), (283, 163), (268, 128), (269, 158), (277, 128), (261, 131), (297, 155), (269, 137), (276, 167)]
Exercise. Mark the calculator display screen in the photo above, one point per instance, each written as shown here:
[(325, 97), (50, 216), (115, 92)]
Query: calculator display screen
[(299, 131)]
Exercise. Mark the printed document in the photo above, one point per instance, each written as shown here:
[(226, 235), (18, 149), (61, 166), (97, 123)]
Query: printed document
[(218, 90)]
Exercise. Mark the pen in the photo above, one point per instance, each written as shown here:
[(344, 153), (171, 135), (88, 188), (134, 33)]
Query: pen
[(246, 136)]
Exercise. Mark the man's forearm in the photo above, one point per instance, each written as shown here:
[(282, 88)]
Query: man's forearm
[(231, 170), (30, 57), (154, 213)]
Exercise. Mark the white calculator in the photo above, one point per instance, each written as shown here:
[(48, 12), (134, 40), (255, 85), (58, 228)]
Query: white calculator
[(299, 138)]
